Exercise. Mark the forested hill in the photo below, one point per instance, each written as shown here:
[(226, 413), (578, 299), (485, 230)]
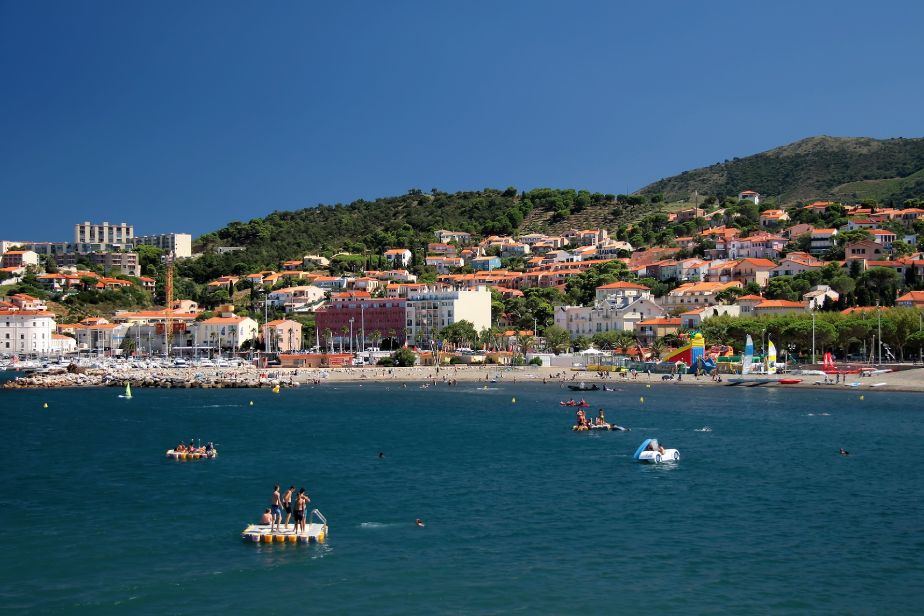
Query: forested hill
[(406, 221), (843, 168)]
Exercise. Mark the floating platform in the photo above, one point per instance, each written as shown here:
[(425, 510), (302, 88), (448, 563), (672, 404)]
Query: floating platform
[(315, 531), (186, 455)]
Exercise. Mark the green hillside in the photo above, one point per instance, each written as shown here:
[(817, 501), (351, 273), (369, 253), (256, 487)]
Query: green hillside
[(406, 221), (892, 189), (817, 167)]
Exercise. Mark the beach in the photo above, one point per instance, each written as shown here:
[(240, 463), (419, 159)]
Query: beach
[(907, 380)]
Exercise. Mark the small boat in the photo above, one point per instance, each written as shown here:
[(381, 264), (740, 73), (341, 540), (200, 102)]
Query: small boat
[(789, 381), (128, 391), (583, 387), (649, 451)]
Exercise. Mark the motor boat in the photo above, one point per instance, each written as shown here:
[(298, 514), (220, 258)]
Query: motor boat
[(584, 387), (650, 451)]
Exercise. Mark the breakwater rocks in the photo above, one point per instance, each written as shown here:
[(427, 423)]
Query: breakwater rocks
[(165, 378)]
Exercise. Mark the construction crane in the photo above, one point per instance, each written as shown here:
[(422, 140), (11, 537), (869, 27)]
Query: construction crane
[(168, 298)]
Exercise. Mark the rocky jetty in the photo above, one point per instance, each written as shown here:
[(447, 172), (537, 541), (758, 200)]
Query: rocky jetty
[(183, 378)]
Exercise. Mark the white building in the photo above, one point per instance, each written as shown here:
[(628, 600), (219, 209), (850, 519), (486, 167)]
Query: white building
[(315, 261), (427, 312), (26, 331), (619, 306), (19, 258), (89, 233), (296, 299), (62, 345), (179, 244), (398, 257), (461, 237), (622, 292), (226, 331), (606, 317), (749, 195)]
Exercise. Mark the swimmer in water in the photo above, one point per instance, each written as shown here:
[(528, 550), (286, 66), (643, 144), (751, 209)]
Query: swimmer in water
[(844, 452), (381, 455), (419, 523)]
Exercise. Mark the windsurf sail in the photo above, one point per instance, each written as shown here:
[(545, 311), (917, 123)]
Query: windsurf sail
[(128, 390), (748, 356), (771, 357)]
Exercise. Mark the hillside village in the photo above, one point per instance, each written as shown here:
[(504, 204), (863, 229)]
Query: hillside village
[(639, 288)]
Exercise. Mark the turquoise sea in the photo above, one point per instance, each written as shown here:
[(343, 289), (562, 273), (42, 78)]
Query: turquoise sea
[(761, 515)]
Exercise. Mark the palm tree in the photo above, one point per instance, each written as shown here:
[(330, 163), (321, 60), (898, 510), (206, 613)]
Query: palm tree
[(377, 337), (345, 331), (657, 348)]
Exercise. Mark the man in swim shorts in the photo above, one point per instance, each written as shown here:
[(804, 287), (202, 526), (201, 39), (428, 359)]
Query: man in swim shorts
[(287, 504), (276, 508), (301, 506)]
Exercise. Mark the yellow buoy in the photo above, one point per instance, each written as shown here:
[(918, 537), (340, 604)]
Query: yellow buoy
[(291, 538), (321, 537), (276, 389), (45, 405), (642, 399), (251, 403), (267, 538), (861, 397), (513, 401), (648, 385)]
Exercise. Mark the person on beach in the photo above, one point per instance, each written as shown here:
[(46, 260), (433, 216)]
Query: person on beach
[(301, 506), (267, 517), (276, 508), (287, 504)]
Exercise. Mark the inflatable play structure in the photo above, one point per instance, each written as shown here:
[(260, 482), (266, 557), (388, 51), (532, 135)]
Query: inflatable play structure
[(690, 353), (695, 355)]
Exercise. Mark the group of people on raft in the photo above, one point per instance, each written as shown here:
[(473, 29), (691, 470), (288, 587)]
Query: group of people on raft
[(573, 402), (586, 424), (597, 423), (206, 449), (294, 505)]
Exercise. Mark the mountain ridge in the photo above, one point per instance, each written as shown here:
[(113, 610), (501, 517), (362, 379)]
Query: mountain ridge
[(814, 167)]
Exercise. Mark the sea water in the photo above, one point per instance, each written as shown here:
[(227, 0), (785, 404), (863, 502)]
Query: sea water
[(522, 515)]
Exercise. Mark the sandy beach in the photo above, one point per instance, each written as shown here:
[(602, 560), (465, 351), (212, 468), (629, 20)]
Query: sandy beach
[(910, 380)]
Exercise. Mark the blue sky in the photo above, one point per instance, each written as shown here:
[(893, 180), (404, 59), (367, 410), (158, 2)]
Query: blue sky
[(183, 116)]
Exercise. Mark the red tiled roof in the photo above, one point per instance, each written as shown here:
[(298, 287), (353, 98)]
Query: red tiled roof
[(621, 284), (780, 303)]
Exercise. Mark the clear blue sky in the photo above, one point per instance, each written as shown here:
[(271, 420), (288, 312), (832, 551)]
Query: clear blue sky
[(183, 116)]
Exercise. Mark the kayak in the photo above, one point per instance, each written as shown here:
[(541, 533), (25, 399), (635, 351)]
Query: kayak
[(789, 381)]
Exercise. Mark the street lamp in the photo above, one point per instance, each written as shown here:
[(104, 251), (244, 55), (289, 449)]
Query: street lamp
[(351, 335), (813, 337)]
